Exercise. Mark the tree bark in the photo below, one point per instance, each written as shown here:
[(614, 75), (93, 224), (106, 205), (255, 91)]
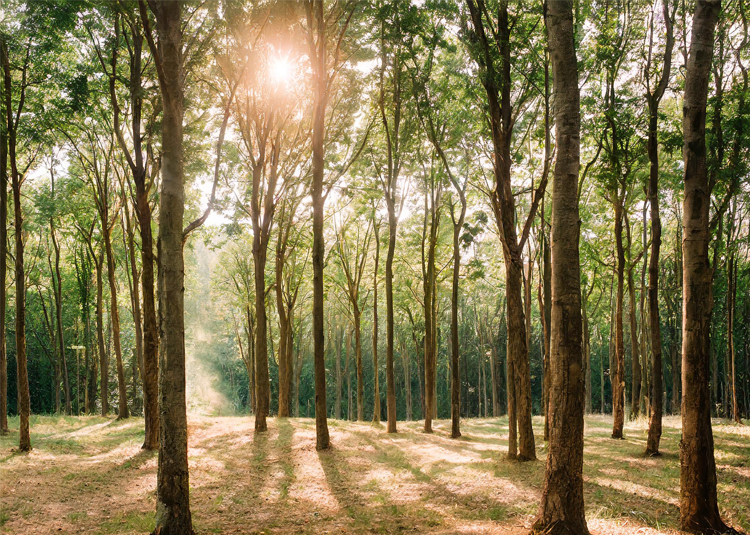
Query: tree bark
[(149, 349), (172, 483), (376, 369), (617, 368), (22, 375), (657, 380), (699, 511), (316, 27), (562, 507), (4, 97), (458, 224)]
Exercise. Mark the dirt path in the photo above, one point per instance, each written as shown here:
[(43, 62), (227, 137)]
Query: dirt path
[(88, 475)]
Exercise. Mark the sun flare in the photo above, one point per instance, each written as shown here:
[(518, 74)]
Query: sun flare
[(280, 70)]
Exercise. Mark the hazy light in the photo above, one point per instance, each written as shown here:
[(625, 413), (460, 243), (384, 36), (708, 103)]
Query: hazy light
[(280, 70)]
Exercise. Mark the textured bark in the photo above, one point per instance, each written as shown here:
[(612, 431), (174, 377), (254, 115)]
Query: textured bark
[(4, 96), (458, 224), (22, 375), (657, 382), (392, 130), (429, 244), (699, 511), (172, 482), (389, 374), (617, 367), (57, 291), (149, 356), (103, 356), (122, 410), (316, 27), (496, 80), (562, 507), (376, 369), (635, 398), (339, 342)]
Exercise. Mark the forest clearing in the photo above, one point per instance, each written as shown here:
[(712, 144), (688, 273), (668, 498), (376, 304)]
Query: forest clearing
[(369, 482)]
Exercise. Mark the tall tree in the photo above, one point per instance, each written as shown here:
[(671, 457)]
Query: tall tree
[(653, 98), (143, 170), (12, 119), (562, 508), (490, 46), (172, 482), (699, 510), (3, 241)]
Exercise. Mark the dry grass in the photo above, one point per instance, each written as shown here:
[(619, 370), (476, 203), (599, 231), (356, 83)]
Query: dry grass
[(88, 475)]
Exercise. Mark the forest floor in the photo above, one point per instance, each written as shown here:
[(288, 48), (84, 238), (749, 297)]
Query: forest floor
[(89, 475)]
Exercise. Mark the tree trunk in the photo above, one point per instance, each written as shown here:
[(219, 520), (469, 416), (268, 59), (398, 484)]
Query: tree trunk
[(4, 97), (122, 411), (339, 382), (617, 368), (635, 399), (172, 482), (285, 349), (389, 376), (57, 291), (316, 25), (562, 507), (22, 375), (657, 380), (376, 369), (455, 358), (699, 511)]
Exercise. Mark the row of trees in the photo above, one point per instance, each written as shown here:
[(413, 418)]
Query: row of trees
[(424, 135)]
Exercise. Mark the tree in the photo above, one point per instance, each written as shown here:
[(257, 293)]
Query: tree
[(562, 509), (172, 482), (143, 170), (653, 98), (699, 510), (3, 239), (12, 120), (502, 115)]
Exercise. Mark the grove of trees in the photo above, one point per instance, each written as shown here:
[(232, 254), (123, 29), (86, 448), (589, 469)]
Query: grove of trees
[(442, 209)]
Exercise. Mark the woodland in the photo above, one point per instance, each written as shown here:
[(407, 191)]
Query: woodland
[(344, 266)]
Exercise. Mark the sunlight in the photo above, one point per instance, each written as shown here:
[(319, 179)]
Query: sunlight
[(280, 70)]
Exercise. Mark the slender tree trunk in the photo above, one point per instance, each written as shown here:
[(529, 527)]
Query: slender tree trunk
[(262, 378), (122, 411), (22, 375), (316, 25), (635, 399), (389, 374), (376, 369), (360, 374), (339, 381), (562, 507), (455, 357), (617, 368), (699, 511), (285, 350), (172, 483), (57, 291), (657, 379), (4, 97), (586, 357)]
